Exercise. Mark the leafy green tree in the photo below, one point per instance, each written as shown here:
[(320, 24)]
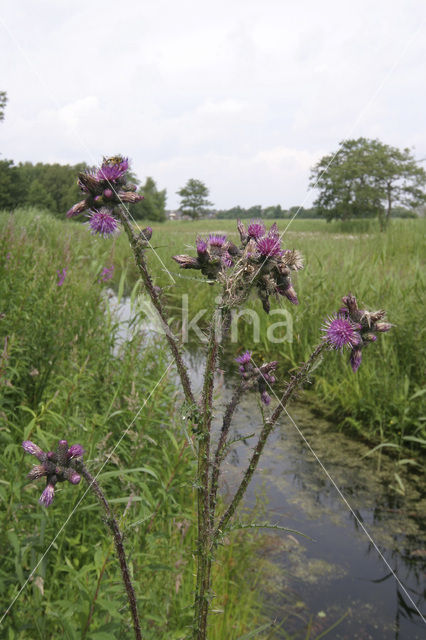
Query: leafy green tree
[(37, 196), (153, 206), (3, 100), (12, 193), (367, 178), (194, 196)]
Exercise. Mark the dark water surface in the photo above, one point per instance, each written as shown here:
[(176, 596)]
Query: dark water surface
[(339, 573)]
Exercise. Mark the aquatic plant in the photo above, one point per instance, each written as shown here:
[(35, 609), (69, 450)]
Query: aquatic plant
[(259, 266)]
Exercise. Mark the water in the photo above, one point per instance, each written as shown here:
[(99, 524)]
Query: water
[(338, 575)]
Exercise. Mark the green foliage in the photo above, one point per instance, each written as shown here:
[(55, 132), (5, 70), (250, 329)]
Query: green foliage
[(11, 188), (153, 206), (3, 101), (383, 271), (66, 372), (194, 198), (269, 213), (366, 178)]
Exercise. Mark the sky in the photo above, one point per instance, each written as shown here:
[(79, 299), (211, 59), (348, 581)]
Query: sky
[(245, 95)]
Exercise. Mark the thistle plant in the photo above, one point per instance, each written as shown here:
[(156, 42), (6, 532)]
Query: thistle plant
[(260, 266)]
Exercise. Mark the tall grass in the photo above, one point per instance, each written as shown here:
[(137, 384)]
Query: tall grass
[(63, 375), (384, 400)]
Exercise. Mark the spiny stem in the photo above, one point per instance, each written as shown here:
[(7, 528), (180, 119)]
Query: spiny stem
[(219, 453), (118, 541), (294, 383), (138, 251)]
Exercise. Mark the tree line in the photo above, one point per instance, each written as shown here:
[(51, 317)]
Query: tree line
[(54, 187), (363, 178)]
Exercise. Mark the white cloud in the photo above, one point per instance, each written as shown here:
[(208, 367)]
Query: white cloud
[(246, 95)]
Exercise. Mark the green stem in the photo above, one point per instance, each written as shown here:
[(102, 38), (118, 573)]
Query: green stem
[(294, 383), (118, 541), (139, 253)]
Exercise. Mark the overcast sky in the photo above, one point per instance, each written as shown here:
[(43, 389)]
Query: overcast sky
[(245, 95)]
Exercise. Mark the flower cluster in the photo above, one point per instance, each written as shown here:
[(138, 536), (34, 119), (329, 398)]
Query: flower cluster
[(214, 254), (353, 328), (56, 466), (259, 261), (104, 188), (262, 376)]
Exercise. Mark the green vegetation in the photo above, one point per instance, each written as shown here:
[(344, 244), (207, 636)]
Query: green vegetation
[(366, 178), (65, 373), (54, 187), (383, 402), (194, 200)]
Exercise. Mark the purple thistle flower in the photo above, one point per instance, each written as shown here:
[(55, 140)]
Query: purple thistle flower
[(201, 246), (57, 465), (108, 193), (265, 397), (113, 169), (244, 358), (74, 477), (33, 449), (355, 359), (216, 241), (46, 497), (75, 451), (269, 246), (227, 259), (106, 274), (61, 276), (256, 229), (273, 232), (340, 332), (103, 222)]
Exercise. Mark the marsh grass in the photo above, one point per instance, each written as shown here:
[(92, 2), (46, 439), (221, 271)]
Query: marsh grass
[(63, 374), (384, 401)]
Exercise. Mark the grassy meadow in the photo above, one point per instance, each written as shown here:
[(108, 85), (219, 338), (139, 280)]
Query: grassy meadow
[(384, 401), (63, 374)]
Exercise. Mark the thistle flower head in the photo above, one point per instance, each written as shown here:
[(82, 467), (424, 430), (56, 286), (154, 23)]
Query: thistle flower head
[(269, 246), (103, 223), (201, 246), (340, 332), (216, 240), (46, 497), (256, 229), (57, 466), (355, 328), (112, 168), (244, 358)]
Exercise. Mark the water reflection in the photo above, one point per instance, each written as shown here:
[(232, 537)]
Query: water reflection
[(339, 575)]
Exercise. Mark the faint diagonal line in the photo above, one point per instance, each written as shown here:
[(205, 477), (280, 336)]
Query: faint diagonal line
[(342, 496), (386, 77), (85, 493), (76, 131)]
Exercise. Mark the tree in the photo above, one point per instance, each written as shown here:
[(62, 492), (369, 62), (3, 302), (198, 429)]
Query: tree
[(11, 190), (153, 206), (194, 198), (37, 196), (3, 100), (367, 178)]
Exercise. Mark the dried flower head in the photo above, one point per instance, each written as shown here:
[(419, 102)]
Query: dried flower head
[(56, 466), (261, 377), (354, 328)]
